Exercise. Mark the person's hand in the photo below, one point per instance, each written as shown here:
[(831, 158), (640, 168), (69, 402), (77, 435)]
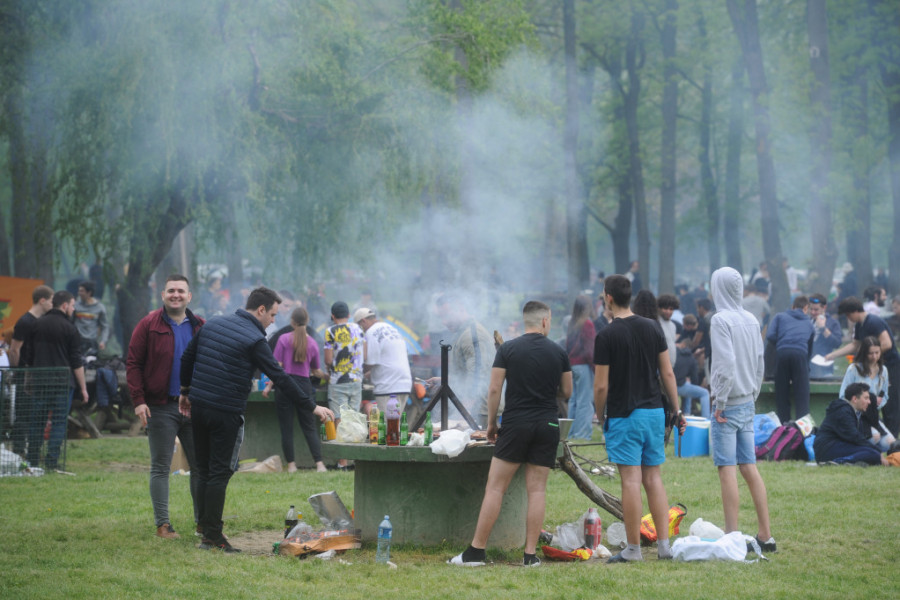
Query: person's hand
[(323, 413), (492, 432), (820, 321), (432, 381), (102, 345), (884, 461), (720, 418), (84, 395), (267, 389), (142, 412), (184, 406)]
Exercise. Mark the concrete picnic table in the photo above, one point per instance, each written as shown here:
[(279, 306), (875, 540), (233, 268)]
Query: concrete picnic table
[(430, 497)]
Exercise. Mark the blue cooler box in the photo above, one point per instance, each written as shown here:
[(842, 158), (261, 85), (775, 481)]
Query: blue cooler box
[(695, 441)]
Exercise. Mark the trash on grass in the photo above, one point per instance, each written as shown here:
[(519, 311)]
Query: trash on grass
[(270, 465)]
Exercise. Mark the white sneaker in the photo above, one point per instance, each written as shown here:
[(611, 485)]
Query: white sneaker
[(458, 561)]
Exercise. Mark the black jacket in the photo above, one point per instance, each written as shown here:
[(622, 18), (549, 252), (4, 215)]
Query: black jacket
[(54, 342), (219, 363), (841, 424)]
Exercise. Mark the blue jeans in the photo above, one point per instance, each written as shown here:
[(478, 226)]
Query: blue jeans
[(688, 392), (43, 405), (581, 404), (163, 426)]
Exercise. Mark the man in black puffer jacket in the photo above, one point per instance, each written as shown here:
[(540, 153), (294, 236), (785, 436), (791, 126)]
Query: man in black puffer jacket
[(216, 372)]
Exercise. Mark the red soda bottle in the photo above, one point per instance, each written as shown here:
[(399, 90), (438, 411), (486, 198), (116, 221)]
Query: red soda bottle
[(592, 529)]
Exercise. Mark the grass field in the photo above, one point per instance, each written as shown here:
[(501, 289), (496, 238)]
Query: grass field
[(91, 536)]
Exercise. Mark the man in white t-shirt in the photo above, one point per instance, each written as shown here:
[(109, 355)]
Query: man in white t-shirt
[(387, 362)]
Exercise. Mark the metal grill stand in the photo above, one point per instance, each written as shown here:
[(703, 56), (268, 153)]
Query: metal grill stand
[(442, 394)]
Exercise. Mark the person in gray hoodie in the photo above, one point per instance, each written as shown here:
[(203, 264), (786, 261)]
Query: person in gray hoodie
[(736, 375), (792, 333)]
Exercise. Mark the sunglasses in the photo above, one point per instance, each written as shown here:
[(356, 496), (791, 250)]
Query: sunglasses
[(816, 301)]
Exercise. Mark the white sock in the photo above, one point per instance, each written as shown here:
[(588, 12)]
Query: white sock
[(663, 548), (632, 552)]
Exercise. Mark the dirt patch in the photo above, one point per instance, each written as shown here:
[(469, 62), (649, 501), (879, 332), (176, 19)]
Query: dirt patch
[(257, 543)]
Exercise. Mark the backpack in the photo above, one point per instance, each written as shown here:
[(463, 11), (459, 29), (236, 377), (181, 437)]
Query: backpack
[(785, 443)]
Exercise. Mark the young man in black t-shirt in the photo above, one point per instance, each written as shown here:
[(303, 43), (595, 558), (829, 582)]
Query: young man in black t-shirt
[(630, 358), (534, 369), (874, 326)]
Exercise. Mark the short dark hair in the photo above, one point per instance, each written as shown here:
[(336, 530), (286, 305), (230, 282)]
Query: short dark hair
[(689, 319), (855, 389), (262, 296), (619, 288), (704, 303), (533, 312), (800, 302), (62, 297), (850, 305), (668, 301), (178, 277), (818, 298), (871, 292), (41, 292), (88, 286)]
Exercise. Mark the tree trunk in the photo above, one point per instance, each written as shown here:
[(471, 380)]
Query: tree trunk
[(732, 218), (821, 222), (668, 160), (746, 25), (708, 195), (576, 213), (634, 59), (890, 78)]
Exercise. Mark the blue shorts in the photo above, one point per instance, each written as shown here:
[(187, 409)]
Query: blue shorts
[(638, 439), (733, 442)]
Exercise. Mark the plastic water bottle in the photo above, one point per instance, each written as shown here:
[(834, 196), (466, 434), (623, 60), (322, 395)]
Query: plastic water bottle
[(373, 424), (290, 520), (615, 535), (429, 429), (383, 553)]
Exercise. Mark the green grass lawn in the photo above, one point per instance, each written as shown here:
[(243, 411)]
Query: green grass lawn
[(91, 536)]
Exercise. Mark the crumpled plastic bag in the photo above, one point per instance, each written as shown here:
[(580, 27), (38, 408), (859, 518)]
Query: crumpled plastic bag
[(270, 465), (705, 530), (452, 442), (353, 428), (730, 547), (570, 536)]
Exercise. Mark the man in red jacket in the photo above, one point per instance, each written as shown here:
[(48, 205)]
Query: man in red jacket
[(153, 370)]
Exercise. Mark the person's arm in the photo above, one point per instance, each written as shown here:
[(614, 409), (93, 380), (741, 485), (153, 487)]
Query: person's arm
[(667, 378), (495, 387), (103, 328), (262, 357), (14, 347), (601, 391), (82, 385), (134, 370), (849, 348), (831, 333), (565, 385), (772, 331), (885, 341), (187, 374)]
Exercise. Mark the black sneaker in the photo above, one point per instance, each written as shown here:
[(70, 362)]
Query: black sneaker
[(769, 546), (221, 544), (531, 560)]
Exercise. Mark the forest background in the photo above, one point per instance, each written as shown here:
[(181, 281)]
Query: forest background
[(423, 145)]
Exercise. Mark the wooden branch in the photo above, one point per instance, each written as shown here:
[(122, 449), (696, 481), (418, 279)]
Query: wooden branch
[(598, 495)]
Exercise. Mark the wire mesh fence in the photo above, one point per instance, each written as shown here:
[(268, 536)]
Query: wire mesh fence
[(34, 408)]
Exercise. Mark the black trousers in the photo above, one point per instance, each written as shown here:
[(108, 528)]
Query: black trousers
[(217, 441), (890, 412), (285, 409), (791, 374)]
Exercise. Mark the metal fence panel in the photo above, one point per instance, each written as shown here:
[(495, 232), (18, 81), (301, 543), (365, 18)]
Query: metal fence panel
[(34, 408)]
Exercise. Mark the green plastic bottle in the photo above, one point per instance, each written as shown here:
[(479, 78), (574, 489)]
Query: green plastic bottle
[(382, 430), (429, 429), (404, 430)]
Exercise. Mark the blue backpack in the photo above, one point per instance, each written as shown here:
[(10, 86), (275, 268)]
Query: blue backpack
[(785, 443)]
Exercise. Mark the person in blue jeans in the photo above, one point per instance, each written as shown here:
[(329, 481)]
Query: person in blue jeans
[(687, 378), (580, 348), (736, 375), (842, 437)]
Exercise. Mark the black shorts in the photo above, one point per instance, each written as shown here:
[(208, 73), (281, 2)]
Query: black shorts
[(535, 443)]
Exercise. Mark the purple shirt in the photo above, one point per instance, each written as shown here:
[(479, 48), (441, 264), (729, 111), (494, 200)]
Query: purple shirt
[(284, 353)]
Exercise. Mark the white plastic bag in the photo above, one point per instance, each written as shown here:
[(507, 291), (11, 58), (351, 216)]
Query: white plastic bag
[(705, 530), (452, 442), (353, 428), (570, 536), (730, 547)]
